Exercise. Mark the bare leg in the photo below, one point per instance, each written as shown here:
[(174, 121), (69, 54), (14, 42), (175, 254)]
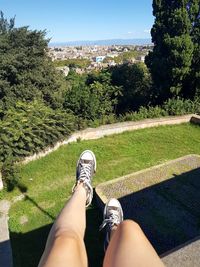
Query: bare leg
[(65, 246), (130, 247)]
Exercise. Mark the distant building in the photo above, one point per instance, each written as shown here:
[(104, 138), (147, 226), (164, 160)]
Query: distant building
[(112, 63), (112, 55), (130, 60), (99, 59), (141, 58), (64, 70), (79, 70)]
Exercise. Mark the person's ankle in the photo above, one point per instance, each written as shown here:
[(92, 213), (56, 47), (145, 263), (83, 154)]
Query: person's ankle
[(80, 188), (113, 230)]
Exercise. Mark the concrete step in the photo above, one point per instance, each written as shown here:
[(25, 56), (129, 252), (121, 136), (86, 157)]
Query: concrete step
[(184, 256)]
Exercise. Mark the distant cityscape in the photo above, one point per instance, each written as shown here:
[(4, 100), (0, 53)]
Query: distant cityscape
[(96, 56)]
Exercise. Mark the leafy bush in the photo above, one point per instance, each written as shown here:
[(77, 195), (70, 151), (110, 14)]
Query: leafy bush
[(91, 97), (178, 106), (143, 113), (10, 174), (29, 128), (174, 106)]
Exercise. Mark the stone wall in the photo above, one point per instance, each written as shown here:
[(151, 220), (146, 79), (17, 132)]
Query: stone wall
[(116, 128), (1, 182)]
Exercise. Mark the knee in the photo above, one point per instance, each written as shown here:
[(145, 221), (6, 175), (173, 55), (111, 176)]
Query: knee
[(67, 236), (66, 240), (130, 226)]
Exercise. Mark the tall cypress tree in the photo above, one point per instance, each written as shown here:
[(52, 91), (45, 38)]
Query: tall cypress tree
[(194, 78), (170, 60)]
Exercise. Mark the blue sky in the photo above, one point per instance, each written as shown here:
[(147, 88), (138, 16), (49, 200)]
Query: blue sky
[(83, 19)]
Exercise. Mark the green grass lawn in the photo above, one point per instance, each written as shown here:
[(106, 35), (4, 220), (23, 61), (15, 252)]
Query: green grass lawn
[(49, 181)]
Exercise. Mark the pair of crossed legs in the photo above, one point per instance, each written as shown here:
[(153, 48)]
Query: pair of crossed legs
[(65, 247)]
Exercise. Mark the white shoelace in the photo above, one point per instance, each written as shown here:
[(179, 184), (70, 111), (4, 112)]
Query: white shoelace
[(112, 220), (85, 172), (85, 178)]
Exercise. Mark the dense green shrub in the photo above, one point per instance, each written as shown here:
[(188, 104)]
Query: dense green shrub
[(171, 107), (10, 174), (174, 106), (29, 128), (178, 106), (91, 97)]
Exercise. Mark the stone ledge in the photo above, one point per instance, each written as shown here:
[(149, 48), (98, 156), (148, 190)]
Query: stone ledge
[(186, 255), (145, 178), (195, 119), (1, 182), (109, 129)]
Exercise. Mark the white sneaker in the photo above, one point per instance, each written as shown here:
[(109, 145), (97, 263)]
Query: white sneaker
[(85, 169), (112, 216)]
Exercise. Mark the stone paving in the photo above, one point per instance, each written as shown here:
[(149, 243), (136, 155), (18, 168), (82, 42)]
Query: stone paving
[(164, 200), (184, 256), (5, 247)]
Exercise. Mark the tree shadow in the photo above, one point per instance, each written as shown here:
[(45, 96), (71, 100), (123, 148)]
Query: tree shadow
[(28, 247), (23, 189), (32, 201), (93, 237), (5, 254)]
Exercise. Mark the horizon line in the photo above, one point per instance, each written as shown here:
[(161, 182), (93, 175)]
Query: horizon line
[(103, 42), (95, 40)]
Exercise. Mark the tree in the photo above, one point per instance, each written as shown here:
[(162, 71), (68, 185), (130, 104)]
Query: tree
[(26, 71), (171, 58), (194, 78), (135, 81), (91, 97), (5, 25)]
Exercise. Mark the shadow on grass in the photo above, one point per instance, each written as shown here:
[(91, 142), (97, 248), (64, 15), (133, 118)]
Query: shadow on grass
[(28, 248), (5, 254), (27, 198), (93, 238), (23, 189)]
